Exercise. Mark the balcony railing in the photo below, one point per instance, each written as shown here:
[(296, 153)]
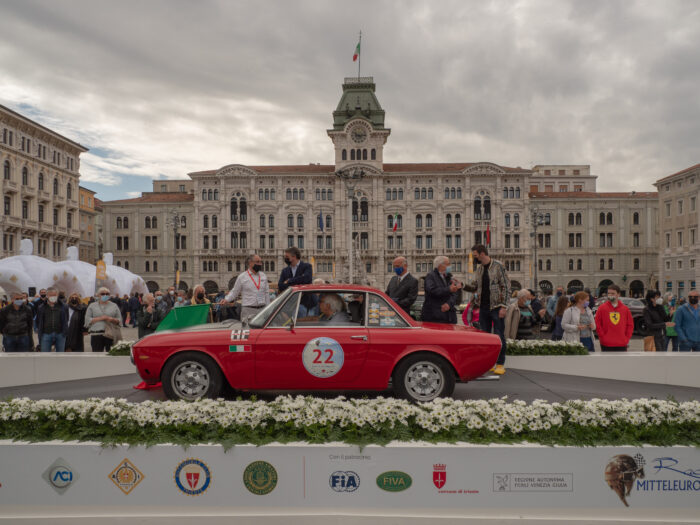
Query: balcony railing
[(44, 196), (10, 186)]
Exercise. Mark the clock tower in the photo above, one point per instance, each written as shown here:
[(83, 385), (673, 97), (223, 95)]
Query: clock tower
[(358, 132)]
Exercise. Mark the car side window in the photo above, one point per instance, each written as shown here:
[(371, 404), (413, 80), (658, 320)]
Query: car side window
[(382, 315), (329, 308), (284, 317)]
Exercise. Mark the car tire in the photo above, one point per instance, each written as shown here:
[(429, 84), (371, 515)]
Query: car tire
[(190, 376), (423, 377)]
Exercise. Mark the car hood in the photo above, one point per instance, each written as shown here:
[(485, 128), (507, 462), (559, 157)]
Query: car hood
[(229, 324)]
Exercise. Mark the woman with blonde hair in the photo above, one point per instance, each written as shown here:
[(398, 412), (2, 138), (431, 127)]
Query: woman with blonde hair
[(578, 322), (199, 296)]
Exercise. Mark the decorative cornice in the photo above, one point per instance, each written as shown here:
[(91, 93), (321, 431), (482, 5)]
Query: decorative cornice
[(484, 168), (236, 170)]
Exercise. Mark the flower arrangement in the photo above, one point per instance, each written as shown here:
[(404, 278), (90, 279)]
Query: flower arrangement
[(353, 421), (543, 347), (122, 348)]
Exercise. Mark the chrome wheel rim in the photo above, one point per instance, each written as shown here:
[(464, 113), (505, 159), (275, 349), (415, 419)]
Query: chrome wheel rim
[(424, 381), (190, 380)]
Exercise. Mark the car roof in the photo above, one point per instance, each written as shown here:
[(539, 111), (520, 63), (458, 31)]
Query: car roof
[(336, 288)]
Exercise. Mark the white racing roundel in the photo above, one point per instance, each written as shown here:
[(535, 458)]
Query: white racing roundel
[(323, 357)]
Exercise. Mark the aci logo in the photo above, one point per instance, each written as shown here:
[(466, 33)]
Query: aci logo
[(394, 481), (344, 481), (60, 475), (192, 477)]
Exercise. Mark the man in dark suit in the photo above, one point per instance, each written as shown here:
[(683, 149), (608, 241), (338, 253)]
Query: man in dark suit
[(297, 272), (440, 293), (403, 287)]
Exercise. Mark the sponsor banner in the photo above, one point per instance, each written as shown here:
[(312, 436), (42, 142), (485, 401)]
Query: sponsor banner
[(620, 479)]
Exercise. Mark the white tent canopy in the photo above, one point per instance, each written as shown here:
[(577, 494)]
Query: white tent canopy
[(21, 272)]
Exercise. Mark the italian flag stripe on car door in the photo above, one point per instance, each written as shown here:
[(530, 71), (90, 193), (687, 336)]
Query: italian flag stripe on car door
[(239, 348)]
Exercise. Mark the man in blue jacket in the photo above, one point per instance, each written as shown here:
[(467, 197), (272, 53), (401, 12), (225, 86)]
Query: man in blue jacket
[(297, 272), (687, 320)]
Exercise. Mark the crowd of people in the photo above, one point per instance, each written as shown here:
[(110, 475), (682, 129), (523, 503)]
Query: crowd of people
[(61, 323)]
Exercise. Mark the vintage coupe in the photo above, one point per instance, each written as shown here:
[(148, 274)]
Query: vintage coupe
[(318, 337)]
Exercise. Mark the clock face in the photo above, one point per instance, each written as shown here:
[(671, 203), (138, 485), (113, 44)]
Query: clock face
[(358, 134)]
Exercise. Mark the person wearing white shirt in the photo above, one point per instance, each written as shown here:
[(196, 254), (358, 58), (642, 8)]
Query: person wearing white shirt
[(253, 287)]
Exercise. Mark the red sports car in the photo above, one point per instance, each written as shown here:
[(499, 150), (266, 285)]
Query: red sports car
[(318, 337)]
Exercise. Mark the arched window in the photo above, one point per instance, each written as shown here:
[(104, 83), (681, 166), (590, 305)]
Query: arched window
[(364, 154), (459, 192), (477, 209), (69, 190), (571, 264), (234, 239), (428, 221), (602, 218), (41, 181), (262, 221), (487, 208), (602, 264), (423, 193), (205, 221), (25, 177), (183, 222), (238, 266), (636, 264), (126, 222), (318, 194), (216, 195), (329, 222), (289, 194), (453, 193), (184, 266), (344, 155), (234, 209), (329, 194), (374, 154), (505, 193), (272, 195), (300, 221), (635, 218), (507, 217), (216, 266), (458, 220), (610, 264), (147, 222), (419, 221), (261, 194), (214, 221), (290, 221), (547, 219), (447, 193), (394, 194), (571, 219), (390, 221), (6, 170), (609, 218), (511, 193), (364, 210), (230, 266), (244, 209), (516, 220), (430, 193), (301, 194), (267, 195), (448, 221), (210, 195), (579, 219), (55, 186), (517, 192), (271, 221), (352, 154), (154, 222), (416, 194), (388, 194), (204, 195), (119, 223), (148, 266), (539, 265), (549, 265), (295, 194)]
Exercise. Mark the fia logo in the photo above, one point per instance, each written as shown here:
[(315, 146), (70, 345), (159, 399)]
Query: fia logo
[(344, 481), (60, 475)]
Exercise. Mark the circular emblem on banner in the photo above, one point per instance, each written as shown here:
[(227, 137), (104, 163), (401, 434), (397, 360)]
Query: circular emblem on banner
[(323, 357), (260, 478), (192, 477)]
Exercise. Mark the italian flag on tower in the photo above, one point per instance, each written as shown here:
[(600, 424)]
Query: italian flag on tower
[(356, 55), (396, 222)]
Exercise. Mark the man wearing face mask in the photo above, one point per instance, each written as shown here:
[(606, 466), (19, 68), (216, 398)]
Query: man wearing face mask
[(614, 322), (97, 315), (656, 320), (161, 303), (16, 322), (520, 318), (492, 285), (403, 287), (76, 324), (52, 323), (440, 293), (297, 272), (688, 324), (552, 302), (253, 287)]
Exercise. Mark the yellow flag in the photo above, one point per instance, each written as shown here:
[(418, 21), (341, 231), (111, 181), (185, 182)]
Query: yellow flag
[(177, 278), (101, 273), (471, 263)]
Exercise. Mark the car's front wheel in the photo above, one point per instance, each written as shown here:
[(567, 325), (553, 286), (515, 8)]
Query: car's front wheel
[(423, 377), (190, 376)]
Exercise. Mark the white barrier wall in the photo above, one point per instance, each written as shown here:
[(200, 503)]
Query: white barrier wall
[(18, 369), (47, 483)]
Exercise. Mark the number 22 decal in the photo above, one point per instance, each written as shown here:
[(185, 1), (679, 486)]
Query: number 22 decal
[(319, 353), (323, 357)]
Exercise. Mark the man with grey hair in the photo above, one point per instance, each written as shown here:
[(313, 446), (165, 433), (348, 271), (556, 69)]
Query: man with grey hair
[(332, 310), (440, 293), (520, 318), (97, 315), (252, 286), (403, 287), (52, 322), (148, 317)]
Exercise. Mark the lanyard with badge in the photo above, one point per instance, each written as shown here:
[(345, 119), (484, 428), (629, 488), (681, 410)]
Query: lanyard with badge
[(257, 285)]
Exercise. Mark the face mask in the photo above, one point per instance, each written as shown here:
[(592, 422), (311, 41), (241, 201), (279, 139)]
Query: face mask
[(448, 269), (104, 298), (693, 299), (43, 296), (53, 299), (179, 299), (257, 267), (559, 294), (19, 302), (73, 301), (287, 261), (159, 298), (612, 298), (200, 296), (527, 303), (586, 303), (659, 300), (171, 292), (398, 271)]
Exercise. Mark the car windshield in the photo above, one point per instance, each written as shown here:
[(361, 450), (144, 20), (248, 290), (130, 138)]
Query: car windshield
[(259, 320)]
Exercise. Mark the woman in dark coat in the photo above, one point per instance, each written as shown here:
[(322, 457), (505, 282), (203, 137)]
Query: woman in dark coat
[(148, 317), (76, 320), (656, 319)]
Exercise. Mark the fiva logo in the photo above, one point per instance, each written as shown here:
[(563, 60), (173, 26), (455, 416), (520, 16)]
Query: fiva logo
[(344, 481), (394, 481)]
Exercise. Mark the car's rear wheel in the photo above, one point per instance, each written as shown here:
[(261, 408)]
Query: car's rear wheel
[(190, 376), (423, 377)]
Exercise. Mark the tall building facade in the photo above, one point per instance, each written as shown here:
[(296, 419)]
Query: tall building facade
[(679, 246), (41, 172), (88, 229), (417, 210)]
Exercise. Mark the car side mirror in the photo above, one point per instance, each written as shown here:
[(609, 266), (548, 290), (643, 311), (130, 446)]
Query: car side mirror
[(290, 326)]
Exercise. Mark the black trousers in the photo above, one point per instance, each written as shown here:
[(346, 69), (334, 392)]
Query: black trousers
[(100, 343), (613, 348)]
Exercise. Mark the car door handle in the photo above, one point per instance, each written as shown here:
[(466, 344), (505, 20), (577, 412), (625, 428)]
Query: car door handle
[(361, 337)]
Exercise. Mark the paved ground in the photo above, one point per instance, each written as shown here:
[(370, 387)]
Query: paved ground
[(516, 384)]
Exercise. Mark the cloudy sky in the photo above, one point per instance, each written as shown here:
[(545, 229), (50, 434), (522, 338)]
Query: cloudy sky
[(157, 89)]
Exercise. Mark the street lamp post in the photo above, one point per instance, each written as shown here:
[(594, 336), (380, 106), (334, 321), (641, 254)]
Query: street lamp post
[(350, 177), (174, 223), (537, 219)]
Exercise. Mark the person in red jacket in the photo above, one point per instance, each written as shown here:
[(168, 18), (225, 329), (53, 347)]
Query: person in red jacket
[(614, 323)]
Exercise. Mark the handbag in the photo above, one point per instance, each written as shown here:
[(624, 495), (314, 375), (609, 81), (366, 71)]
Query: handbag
[(112, 331)]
